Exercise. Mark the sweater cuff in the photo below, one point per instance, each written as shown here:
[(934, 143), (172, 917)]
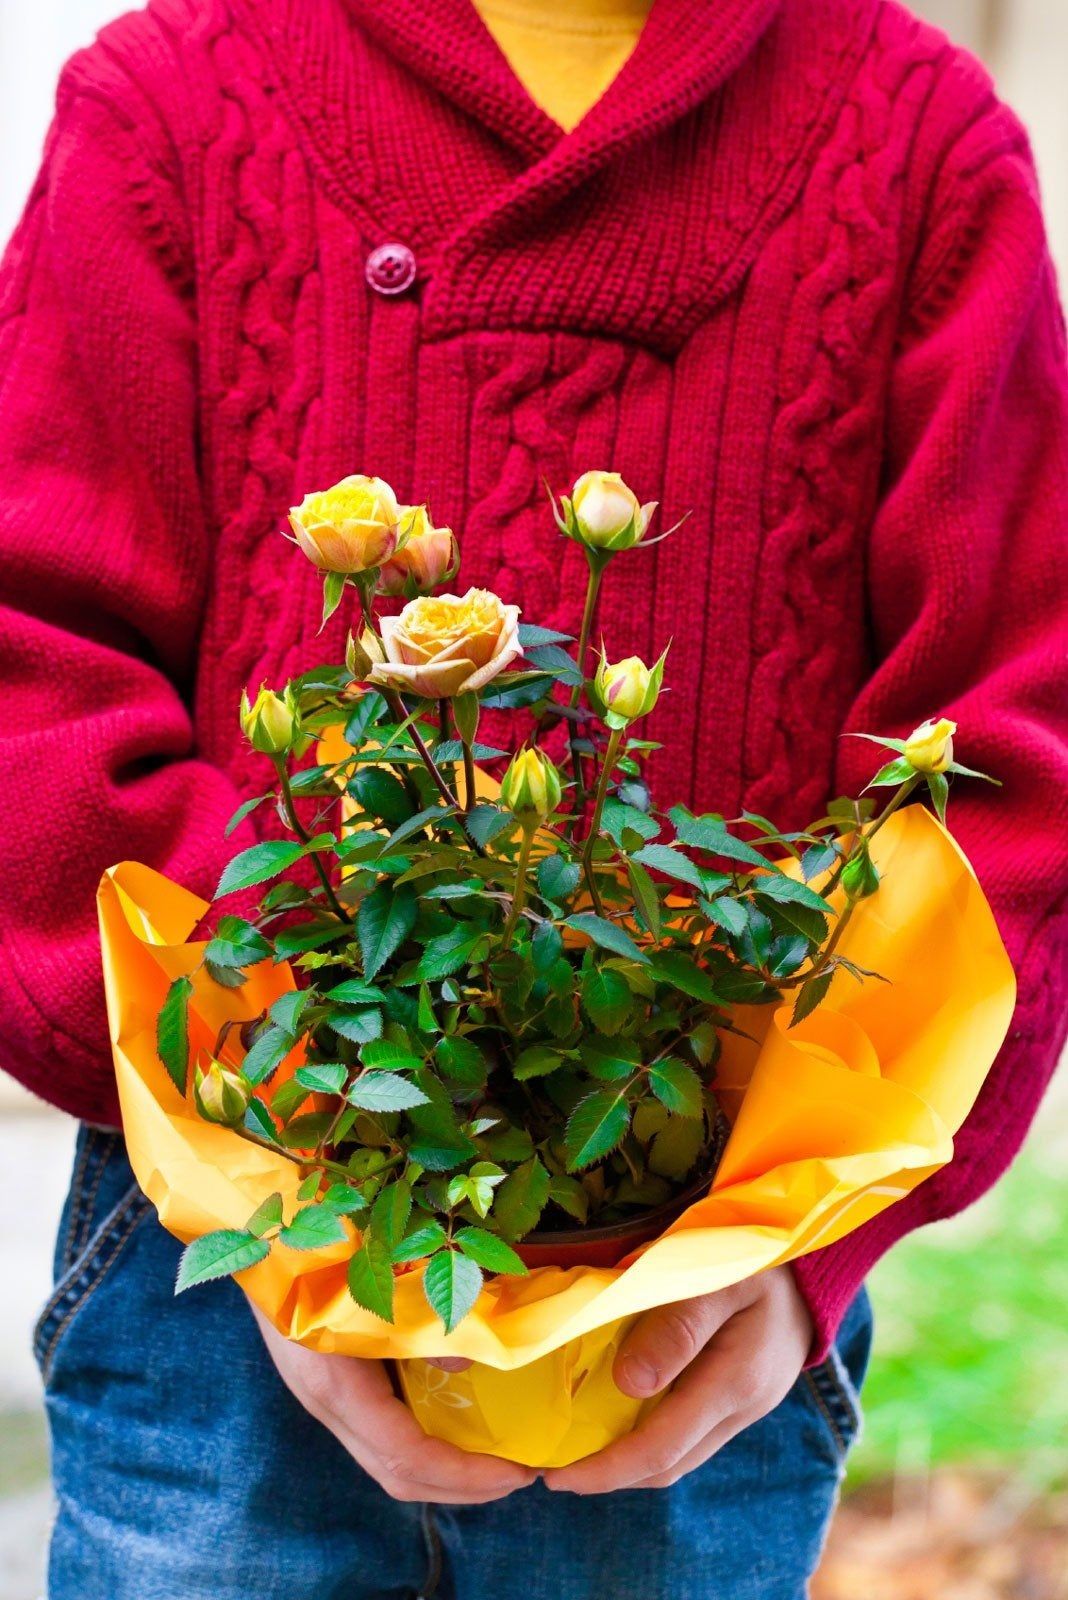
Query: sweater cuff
[(830, 1280)]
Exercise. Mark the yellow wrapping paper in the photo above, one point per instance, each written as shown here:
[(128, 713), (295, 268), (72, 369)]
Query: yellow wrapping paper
[(832, 1121)]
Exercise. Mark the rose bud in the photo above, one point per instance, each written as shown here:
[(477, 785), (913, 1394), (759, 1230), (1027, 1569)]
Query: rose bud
[(860, 877), (929, 748), (353, 527), (362, 653), (270, 723), (221, 1094), (531, 788), (446, 645), (605, 514), (628, 689), (427, 557)]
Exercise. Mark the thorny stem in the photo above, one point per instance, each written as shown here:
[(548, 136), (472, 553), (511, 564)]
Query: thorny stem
[(520, 894), (304, 836), (614, 741)]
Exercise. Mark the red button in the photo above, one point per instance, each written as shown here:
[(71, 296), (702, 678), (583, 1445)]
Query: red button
[(390, 269)]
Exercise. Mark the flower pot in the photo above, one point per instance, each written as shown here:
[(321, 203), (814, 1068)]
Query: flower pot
[(606, 1246)]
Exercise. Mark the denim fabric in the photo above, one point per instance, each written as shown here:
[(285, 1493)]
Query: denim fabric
[(183, 1468)]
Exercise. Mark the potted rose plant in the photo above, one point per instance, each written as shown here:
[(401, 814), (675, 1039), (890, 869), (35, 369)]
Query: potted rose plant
[(512, 995)]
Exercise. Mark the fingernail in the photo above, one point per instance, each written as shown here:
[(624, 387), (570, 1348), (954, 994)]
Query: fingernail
[(639, 1374)]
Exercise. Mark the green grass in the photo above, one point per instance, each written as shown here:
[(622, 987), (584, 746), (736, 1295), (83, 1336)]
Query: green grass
[(970, 1351)]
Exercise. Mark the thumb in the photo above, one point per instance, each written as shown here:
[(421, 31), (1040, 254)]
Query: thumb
[(449, 1363), (664, 1341)]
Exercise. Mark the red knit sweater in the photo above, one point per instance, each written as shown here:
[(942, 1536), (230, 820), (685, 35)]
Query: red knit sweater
[(790, 273)]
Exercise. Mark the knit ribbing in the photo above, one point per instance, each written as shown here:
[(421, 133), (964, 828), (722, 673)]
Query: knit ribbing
[(789, 277)]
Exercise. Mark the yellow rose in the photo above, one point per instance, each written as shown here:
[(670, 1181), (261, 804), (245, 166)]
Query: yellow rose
[(221, 1095), (426, 558), (446, 645), (353, 527), (605, 514), (269, 722), (628, 689), (930, 746), (531, 788)]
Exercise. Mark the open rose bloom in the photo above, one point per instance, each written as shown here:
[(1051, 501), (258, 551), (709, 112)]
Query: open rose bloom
[(444, 645)]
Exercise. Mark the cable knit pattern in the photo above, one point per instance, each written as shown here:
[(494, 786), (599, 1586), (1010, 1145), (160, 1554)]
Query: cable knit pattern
[(789, 274)]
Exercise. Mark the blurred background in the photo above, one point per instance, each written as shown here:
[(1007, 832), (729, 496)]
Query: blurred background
[(959, 1487)]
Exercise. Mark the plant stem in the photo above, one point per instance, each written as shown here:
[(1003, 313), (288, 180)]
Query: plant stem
[(520, 895), (589, 611), (469, 778), (614, 740), (304, 836), (863, 837)]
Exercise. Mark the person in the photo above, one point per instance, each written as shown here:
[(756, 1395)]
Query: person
[(779, 262)]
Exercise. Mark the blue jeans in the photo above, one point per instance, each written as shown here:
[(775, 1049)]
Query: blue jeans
[(183, 1468)]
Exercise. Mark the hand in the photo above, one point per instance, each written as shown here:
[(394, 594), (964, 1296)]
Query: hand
[(355, 1400), (738, 1352)]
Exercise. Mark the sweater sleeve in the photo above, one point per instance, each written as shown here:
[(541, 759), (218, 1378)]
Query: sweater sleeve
[(104, 557), (969, 618)]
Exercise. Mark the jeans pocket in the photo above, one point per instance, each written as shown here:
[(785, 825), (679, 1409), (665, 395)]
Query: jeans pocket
[(834, 1395), (103, 1209)]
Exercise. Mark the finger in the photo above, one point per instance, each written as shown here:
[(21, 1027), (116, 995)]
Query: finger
[(722, 1382), (449, 1363), (664, 1342), (380, 1432), (714, 1441)]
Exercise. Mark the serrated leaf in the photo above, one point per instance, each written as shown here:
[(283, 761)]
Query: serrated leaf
[(680, 971), (486, 822), (391, 1210), (381, 795), (595, 1127), (452, 1283), (570, 1196), (462, 1061), (172, 1033), (448, 953), (323, 1077), (259, 863), (788, 891), (711, 834), (611, 1061), (606, 998), (267, 1215), (646, 899), (243, 811), (237, 943), (343, 1200), (531, 635), (385, 1091), (606, 934), (313, 1228), (818, 859), (258, 1120), (674, 1150), (266, 1053), (366, 712), (360, 1027), (677, 1086), (390, 1053), (537, 1061), (727, 914), (663, 858), (218, 1255), (809, 996), (618, 818), (521, 1199), (385, 919), (355, 992), (488, 1250), (421, 1241), (557, 878), (370, 1278)]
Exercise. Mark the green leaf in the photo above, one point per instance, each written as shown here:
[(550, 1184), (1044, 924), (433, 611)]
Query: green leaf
[(674, 1150), (788, 891), (646, 899), (391, 1210), (606, 998), (663, 858), (727, 914), (388, 1053), (359, 1026), (570, 1196), (217, 1255), (486, 822), (618, 818), (448, 953), (366, 712), (452, 1283), (557, 878), (811, 925), (606, 934), (266, 1216), (810, 994), (462, 1061), (355, 992), (268, 1051), (258, 1120), (611, 1061), (537, 1061), (677, 1087), (323, 1077), (381, 795), (385, 919), (488, 1250), (343, 1199), (243, 811), (711, 834), (595, 1127), (681, 972), (308, 936), (370, 1278), (521, 1199), (421, 1241), (313, 1228), (236, 944), (309, 1188), (172, 1032), (385, 1091), (818, 859), (894, 773), (287, 1010), (530, 635), (259, 863)]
